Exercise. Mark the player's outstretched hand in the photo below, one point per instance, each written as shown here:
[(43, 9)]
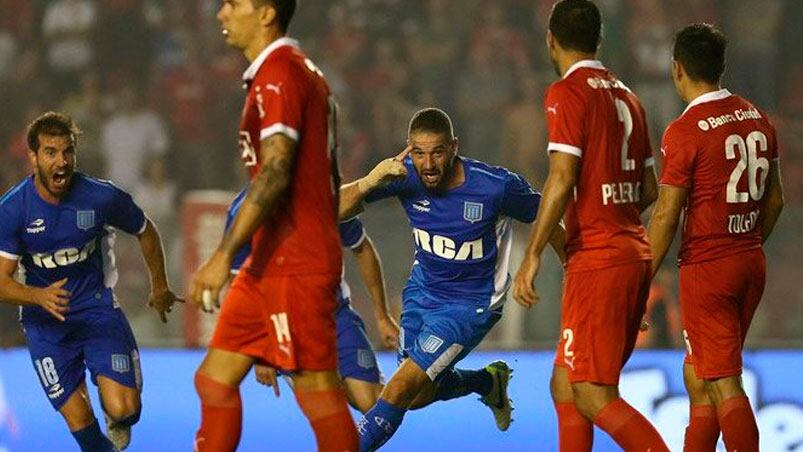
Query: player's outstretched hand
[(388, 331), (266, 375), (208, 280), (163, 301), (524, 284), (54, 299)]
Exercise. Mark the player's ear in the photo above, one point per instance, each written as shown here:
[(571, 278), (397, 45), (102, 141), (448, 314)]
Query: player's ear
[(267, 15), (550, 40), (32, 157), (455, 145)]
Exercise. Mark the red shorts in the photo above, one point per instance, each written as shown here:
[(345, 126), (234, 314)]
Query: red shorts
[(286, 322), (600, 319), (717, 301)]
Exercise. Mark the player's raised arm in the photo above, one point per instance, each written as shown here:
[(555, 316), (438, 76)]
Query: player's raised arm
[(371, 272), (54, 299), (267, 188), (664, 222), (160, 298), (563, 169), (352, 194), (774, 203)]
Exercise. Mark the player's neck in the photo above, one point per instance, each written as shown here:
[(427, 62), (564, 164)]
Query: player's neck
[(570, 58), (45, 194), (458, 176), (697, 89), (260, 43)]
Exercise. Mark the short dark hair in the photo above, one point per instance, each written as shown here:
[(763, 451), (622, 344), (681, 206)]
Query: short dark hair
[(700, 48), (432, 120), (577, 25), (54, 124), (284, 11)]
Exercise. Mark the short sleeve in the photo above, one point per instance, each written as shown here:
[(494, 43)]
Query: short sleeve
[(679, 154), (564, 112), (239, 259), (124, 213), (520, 200), (394, 188), (280, 99), (352, 233), (10, 244)]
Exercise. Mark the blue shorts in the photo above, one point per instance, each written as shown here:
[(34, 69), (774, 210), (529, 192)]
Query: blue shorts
[(98, 339), (438, 336), (356, 358)]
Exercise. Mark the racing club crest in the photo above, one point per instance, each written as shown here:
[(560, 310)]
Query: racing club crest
[(472, 211), (85, 219)]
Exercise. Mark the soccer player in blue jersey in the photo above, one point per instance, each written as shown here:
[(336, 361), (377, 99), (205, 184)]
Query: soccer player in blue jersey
[(461, 211), (357, 363), (58, 227)]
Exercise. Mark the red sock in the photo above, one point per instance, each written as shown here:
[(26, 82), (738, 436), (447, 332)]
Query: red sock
[(703, 430), (575, 432), (632, 431), (738, 424), (329, 416), (221, 415)]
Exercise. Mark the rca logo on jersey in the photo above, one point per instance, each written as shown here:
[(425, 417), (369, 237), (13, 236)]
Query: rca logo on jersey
[(472, 211), (64, 257), (422, 205), (36, 226), (446, 248)]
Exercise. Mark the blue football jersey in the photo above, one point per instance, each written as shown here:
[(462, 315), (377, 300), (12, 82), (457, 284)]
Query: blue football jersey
[(463, 237), (73, 239), (352, 234)]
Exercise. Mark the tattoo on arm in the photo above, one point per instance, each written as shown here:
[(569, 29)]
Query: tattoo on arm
[(278, 154)]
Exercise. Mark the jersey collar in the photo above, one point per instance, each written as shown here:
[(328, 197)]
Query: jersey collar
[(708, 97), (593, 64), (251, 72)]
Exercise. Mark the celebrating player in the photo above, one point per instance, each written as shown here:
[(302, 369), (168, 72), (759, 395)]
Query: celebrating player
[(357, 363), (461, 211), (280, 308), (721, 169), (58, 226), (601, 176)]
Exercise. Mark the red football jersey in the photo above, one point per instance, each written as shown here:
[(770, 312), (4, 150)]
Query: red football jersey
[(720, 149), (594, 116), (288, 94)]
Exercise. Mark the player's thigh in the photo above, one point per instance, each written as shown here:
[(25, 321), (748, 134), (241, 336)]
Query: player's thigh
[(448, 334), (600, 318), (110, 349), (57, 360), (718, 299), (355, 356)]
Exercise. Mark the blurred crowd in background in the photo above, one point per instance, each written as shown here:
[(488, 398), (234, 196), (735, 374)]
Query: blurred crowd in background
[(158, 95)]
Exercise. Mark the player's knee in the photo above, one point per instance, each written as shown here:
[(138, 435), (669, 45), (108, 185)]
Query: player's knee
[(724, 388), (213, 393), (559, 386), (123, 410), (697, 389), (591, 398)]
